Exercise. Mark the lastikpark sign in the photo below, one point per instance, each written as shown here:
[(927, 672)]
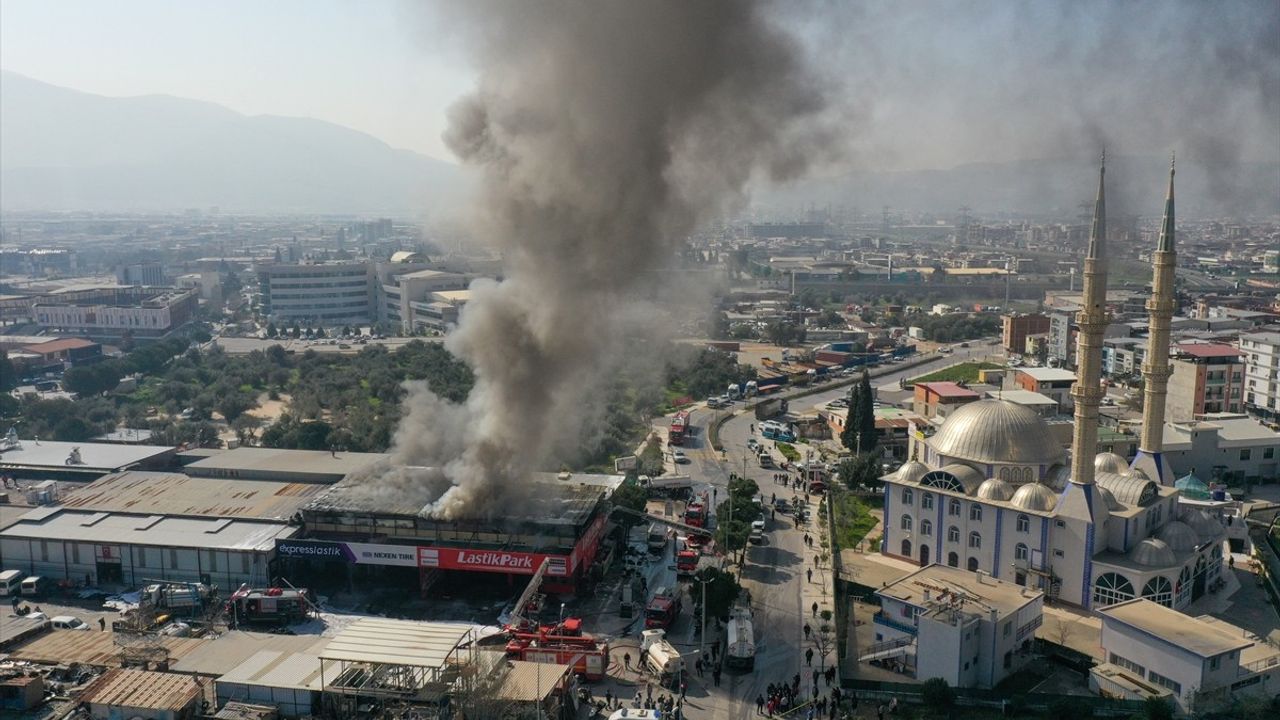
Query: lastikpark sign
[(499, 561)]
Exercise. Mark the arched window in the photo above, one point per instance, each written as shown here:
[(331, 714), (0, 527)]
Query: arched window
[(1111, 588), (926, 527), (1006, 474), (1024, 523), (1026, 475), (926, 501), (1159, 589), (953, 559), (973, 564), (908, 497), (906, 548), (1020, 551), (975, 540), (906, 522), (954, 508), (953, 534), (975, 512)]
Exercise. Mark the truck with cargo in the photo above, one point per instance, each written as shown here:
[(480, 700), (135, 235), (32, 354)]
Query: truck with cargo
[(672, 486), (679, 428), (660, 656), (771, 407)]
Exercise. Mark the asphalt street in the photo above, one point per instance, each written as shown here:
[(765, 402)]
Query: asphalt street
[(774, 571)]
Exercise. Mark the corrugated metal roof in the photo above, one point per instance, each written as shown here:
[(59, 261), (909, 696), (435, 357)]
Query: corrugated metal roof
[(143, 690), (248, 460), (176, 494), (131, 529), (275, 669), (397, 642), (53, 454), (227, 651), (531, 681), (91, 648)]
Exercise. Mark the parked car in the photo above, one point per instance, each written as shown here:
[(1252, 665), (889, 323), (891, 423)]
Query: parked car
[(678, 457), (68, 622)]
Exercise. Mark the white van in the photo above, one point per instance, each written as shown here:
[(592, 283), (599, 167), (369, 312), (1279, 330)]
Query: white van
[(36, 586), (10, 582)]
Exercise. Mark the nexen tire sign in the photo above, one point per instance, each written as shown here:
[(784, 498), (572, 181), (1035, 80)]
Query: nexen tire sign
[(501, 561)]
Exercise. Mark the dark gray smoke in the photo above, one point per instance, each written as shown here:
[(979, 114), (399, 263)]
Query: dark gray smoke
[(605, 132)]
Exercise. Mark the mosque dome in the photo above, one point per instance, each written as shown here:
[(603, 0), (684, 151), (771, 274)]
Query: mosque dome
[(1135, 473), (1128, 488), (1035, 496), (1107, 496), (1109, 462), (1153, 552), (995, 489), (1179, 536), (1058, 477), (911, 472), (1204, 525), (997, 431), (1192, 487)]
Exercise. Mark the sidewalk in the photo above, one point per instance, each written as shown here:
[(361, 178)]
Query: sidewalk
[(817, 591)]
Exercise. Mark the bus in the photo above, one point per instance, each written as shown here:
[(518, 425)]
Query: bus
[(679, 428), (777, 431)]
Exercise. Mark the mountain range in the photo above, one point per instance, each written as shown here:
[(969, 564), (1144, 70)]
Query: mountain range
[(67, 150)]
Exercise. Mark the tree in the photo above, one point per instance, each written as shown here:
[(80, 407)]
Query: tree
[(849, 435), (271, 330), (781, 332), (938, 695), (296, 332), (1156, 708), (93, 379), (233, 404), (8, 374), (867, 414), (860, 471), (722, 590)]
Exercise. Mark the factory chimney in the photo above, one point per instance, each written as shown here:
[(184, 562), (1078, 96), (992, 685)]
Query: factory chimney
[(1092, 319), (1156, 370)]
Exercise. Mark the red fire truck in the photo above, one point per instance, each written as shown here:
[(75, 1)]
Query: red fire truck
[(679, 427), (687, 562), (695, 513), (663, 609)]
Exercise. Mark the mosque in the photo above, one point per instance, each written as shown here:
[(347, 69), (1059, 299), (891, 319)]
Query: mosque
[(993, 491)]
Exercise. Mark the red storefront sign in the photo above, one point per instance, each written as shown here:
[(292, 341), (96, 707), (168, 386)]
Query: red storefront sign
[(499, 561)]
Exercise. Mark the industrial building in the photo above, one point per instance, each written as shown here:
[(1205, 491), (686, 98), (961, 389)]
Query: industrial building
[(255, 463), (967, 628), (123, 693), (77, 462), (1200, 663), (353, 533)]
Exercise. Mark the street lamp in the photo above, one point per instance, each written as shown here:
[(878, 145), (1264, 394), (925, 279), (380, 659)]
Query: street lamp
[(702, 636)]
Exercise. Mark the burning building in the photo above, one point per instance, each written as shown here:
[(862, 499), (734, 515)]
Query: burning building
[(387, 536)]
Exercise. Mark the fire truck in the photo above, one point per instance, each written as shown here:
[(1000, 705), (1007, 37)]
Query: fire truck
[(663, 609), (269, 605), (687, 562), (563, 642), (695, 513), (679, 427)]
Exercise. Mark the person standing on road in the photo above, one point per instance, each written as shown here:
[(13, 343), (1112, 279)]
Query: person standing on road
[(807, 630), (815, 603), (102, 624), (626, 660), (759, 704), (810, 574), (808, 659)]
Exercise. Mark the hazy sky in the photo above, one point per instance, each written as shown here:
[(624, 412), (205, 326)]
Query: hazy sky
[(924, 84)]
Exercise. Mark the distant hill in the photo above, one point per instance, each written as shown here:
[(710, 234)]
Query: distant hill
[(62, 149)]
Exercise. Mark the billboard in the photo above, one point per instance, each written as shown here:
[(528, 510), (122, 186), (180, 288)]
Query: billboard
[(475, 560)]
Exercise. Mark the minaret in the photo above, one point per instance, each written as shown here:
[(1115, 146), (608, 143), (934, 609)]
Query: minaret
[(1092, 319), (1081, 513), (1155, 370)]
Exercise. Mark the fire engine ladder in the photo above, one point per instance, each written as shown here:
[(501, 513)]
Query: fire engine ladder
[(687, 529), (530, 590)]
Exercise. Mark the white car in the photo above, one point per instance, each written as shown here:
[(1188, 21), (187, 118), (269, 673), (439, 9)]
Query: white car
[(68, 622), (678, 457)]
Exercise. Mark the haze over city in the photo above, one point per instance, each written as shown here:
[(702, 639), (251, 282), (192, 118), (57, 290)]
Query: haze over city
[(639, 359)]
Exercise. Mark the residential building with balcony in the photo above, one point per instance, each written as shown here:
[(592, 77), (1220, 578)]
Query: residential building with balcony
[(1207, 378), (1016, 328), (1054, 383), (939, 399), (1261, 352)]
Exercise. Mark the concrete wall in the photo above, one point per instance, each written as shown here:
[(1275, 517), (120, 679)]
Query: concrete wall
[(77, 561)]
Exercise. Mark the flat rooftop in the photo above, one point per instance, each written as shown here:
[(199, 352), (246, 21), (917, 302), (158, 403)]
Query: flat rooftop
[(1191, 634), (949, 390), (251, 462), (142, 690), (1048, 374), (62, 524), (229, 650), (407, 491), (1005, 597), (275, 669), (160, 493), (103, 457), (397, 642), (1207, 350), (1022, 397)]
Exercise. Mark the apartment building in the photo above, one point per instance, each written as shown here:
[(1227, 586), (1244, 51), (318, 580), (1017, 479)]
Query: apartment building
[(1261, 352), (1016, 328), (1051, 382), (1207, 378)]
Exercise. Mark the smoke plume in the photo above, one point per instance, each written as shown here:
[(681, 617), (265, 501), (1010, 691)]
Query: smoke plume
[(605, 132)]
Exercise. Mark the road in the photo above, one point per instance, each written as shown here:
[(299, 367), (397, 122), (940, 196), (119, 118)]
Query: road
[(774, 571)]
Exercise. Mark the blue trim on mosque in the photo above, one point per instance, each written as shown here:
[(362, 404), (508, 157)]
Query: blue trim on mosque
[(888, 519), (1088, 568), (937, 530), (995, 553)]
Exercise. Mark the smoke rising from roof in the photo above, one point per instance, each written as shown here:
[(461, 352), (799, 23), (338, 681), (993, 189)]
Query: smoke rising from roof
[(605, 133)]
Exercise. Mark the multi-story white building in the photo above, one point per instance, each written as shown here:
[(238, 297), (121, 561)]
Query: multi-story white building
[(323, 294), (967, 628), (112, 313), (1262, 373), (408, 290), (1200, 663)]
